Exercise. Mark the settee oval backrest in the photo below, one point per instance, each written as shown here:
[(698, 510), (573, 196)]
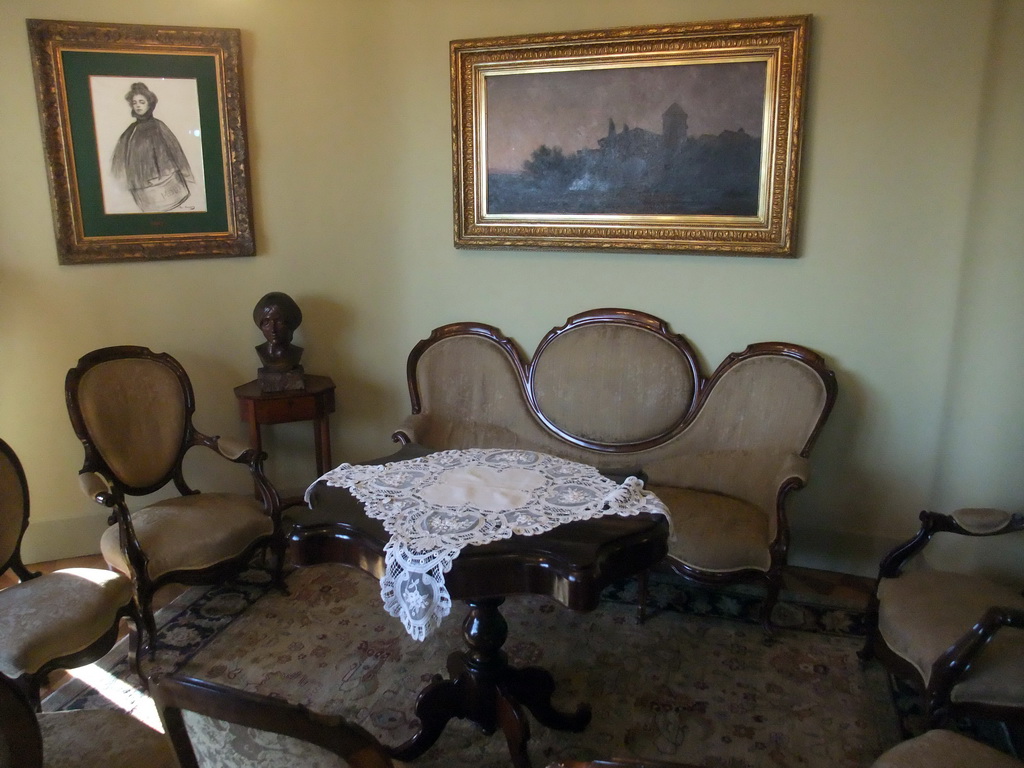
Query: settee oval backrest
[(612, 379)]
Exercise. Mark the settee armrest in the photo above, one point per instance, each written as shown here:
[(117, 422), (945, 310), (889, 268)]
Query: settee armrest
[(456, 434), (755, 476)]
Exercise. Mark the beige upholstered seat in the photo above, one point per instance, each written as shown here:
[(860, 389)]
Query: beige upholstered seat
[(191, 532), (958, 637), (715, 533), (132, 409), (95, 738), (57, 620), (213, 726), (944, 749)]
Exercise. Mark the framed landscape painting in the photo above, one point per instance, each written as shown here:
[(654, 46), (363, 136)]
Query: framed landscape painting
[(676, 138), (143, 130)]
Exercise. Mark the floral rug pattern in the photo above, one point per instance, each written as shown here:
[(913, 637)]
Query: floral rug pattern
[(684, 686)]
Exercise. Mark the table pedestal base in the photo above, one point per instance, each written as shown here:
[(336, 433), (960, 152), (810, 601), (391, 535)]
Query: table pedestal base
[(483, 688)]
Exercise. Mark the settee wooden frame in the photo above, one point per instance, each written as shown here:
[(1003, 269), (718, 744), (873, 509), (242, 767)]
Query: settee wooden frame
[(516, 401)]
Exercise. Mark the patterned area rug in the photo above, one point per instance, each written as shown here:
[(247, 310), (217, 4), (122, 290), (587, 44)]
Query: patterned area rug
[(686, 686)]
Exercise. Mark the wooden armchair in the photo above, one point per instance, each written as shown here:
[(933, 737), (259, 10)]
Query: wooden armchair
[(132, 409), (956, 637), (60, 620), (213, 725), (86, 738)]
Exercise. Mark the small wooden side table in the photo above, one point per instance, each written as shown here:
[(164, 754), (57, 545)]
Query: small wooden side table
[(314, 403)]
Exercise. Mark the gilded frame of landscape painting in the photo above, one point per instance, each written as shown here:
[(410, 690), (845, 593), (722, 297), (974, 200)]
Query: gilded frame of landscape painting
[(676, 138), (144, 134)]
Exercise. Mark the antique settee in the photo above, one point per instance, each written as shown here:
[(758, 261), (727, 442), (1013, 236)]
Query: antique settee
[(619, 390)]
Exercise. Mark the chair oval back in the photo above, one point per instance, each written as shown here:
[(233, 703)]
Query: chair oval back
[(13, 504), (134, 410), (613, 351)]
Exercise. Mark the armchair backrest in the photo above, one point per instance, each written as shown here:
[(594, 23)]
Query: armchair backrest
[(13, 507), (212, 725), (132, 410)]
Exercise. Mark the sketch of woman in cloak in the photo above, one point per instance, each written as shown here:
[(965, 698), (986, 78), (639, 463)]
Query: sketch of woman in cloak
[(149, 158)]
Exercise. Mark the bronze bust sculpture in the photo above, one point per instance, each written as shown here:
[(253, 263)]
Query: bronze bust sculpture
[(277, 316)]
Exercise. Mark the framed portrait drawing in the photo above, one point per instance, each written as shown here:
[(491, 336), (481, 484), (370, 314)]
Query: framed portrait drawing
[(144, 134), (681, 137)]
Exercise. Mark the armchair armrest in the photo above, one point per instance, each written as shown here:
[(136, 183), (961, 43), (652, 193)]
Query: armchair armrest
[(413, 429), (96, 488), (965, 522), (954, 663), (238, 453), (232, 449)]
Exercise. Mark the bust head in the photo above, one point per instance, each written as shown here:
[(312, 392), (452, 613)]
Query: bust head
[(277, 316)]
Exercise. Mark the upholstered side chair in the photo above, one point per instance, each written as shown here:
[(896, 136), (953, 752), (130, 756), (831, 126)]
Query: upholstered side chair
[(59, 620), (213, 725), (956, 637), (86, 738), (132, 409)]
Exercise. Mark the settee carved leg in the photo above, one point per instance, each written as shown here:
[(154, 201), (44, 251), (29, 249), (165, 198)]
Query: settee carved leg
[(771, 599)]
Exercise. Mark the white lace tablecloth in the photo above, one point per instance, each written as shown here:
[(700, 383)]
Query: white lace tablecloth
[(435, 505)]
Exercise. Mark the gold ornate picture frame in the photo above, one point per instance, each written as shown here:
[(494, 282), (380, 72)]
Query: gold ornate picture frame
[(673, 138), (144, 134)]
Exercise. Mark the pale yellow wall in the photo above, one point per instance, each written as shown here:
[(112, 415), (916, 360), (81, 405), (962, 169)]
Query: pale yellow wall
[(909, 277)]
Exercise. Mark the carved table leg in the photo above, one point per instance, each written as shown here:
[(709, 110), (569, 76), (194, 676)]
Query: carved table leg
[(483, 688)]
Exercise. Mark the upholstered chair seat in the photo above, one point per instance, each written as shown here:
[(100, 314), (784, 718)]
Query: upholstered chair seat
[(58, 614), (93, 738), (923, 613), (713, 532), (191, 532), (939, 748)]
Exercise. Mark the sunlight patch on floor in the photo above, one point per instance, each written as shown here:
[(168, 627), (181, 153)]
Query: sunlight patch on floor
[(120, 694)]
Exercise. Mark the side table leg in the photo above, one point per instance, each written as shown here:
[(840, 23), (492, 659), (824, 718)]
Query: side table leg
[(483, 688), (322, 441), (516, 728), (438, 703)]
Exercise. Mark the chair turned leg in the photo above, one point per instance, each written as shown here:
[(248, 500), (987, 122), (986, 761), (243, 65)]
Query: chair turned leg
[(147, 626), (642, 586), (135, 644), (280, 548)]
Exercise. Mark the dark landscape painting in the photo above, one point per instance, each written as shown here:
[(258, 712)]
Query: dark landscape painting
[(674, 140)]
